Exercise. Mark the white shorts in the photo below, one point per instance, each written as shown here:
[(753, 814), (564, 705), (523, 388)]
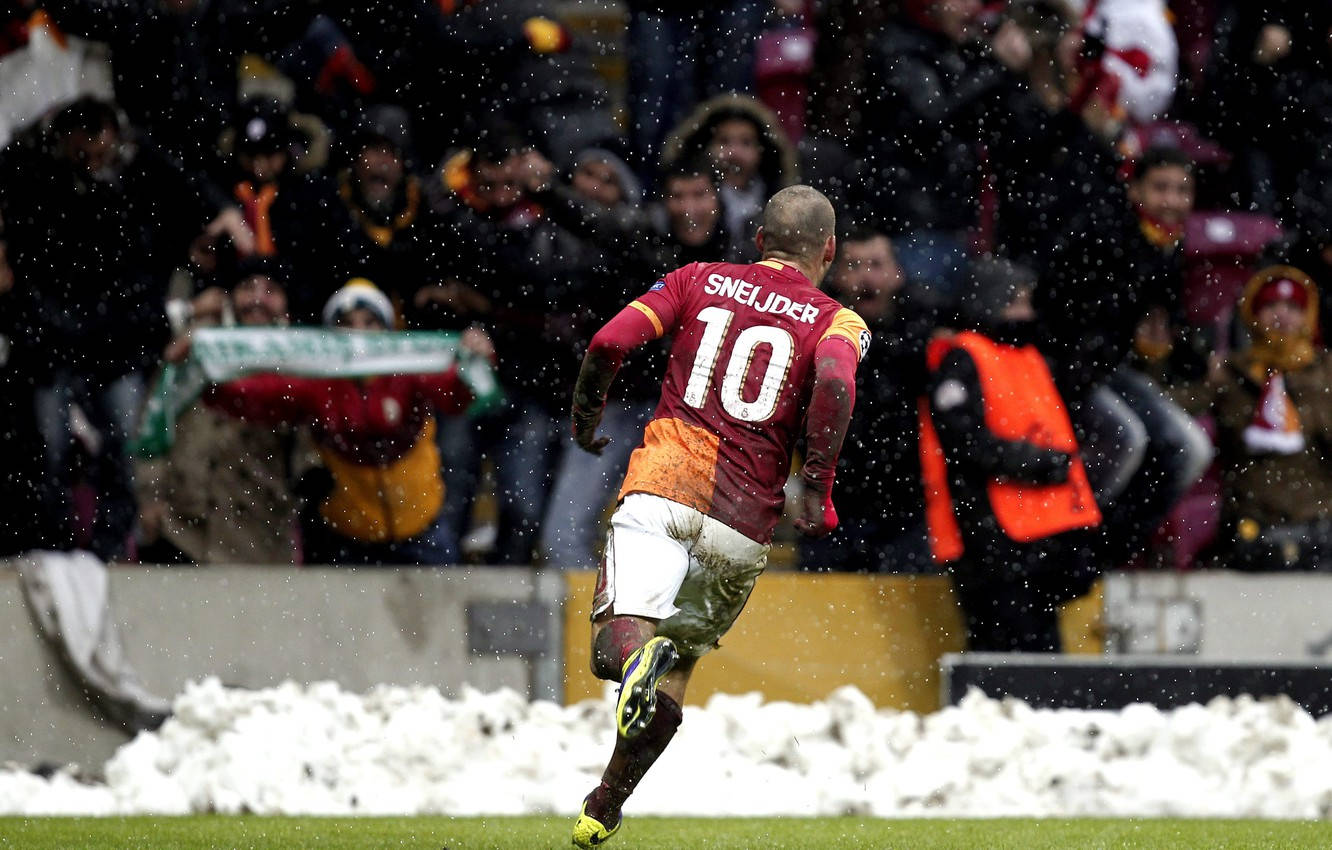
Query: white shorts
[(672, 563)]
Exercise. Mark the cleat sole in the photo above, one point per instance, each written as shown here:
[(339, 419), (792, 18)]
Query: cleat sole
[(638, 690)]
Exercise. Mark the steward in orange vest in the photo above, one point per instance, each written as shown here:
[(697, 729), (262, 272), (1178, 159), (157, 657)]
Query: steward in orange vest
[(1007, 501)]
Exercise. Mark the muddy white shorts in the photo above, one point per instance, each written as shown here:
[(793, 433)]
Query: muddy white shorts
[(674, 564)]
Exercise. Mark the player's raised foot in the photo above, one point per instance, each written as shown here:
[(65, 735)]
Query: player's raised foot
[(595, 827), (638, 685)]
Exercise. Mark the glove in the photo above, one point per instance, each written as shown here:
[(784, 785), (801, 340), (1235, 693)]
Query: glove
[(1050, 466), (585, 424), (817, 517)]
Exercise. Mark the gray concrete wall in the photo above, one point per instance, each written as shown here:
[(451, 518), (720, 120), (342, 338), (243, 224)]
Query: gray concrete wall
[(257, 627)]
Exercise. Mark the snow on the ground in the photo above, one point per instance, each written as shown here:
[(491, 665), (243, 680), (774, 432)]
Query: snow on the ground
[(321, 750)]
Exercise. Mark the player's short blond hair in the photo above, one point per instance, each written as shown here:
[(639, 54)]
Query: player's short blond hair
[(797, 222)]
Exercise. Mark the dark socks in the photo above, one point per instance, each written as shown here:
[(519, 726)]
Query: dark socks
[(631, 760), (614, 644)]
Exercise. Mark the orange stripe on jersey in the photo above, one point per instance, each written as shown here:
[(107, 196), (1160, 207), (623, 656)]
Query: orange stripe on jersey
[(651, 314), (849, 326), (677, 461), (772, 264)]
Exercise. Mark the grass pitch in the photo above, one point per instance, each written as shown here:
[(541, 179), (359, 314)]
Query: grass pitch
[(645, 833)]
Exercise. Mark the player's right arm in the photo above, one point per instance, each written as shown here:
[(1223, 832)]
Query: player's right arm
[(645, 319)]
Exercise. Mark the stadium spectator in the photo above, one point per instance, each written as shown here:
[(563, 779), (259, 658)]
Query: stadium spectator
[(1127, 57), (223, 495), (601, 224), (704, 490), (747, 146), (1274, 429), (931, 73), (97, 221), (686, 226), (512, 282), (1144, 452), (373, 220), (680, 53), (878, 472), (1047, 157), (267, 155), (376, 438), (1007, 499), (1266, 98)]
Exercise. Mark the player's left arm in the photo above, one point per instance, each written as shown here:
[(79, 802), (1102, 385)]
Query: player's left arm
[(830, 404)]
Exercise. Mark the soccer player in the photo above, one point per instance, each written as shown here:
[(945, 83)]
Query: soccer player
[(760, 357)]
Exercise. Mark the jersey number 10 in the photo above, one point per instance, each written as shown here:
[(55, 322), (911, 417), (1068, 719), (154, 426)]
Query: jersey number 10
[(716, 323)]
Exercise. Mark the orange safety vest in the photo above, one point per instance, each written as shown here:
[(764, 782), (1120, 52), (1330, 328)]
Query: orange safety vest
[(1021, 403)]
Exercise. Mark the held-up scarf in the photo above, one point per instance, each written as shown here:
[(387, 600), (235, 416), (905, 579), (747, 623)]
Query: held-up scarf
[(218, 355)]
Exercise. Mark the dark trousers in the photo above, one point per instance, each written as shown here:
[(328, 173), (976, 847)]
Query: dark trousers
[(1010, 592), (1143, 453)]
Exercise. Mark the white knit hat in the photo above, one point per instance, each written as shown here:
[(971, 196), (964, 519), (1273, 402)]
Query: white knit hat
[(361, 294)]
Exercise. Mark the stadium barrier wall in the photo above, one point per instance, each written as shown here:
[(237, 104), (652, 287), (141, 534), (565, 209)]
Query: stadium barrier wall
[(257, 627), (803, 635), (1220, 615), (1114, 681)]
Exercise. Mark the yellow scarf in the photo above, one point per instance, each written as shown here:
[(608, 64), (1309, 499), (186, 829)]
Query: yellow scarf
[(382, 234)]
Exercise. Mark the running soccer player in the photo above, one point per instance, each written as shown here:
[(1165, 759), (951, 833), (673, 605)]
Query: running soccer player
[(758, 353)]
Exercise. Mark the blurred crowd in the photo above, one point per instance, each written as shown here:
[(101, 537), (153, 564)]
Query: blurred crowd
[(1137, 190)]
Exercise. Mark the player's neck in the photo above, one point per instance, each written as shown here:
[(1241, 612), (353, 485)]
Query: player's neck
[(792, 263)]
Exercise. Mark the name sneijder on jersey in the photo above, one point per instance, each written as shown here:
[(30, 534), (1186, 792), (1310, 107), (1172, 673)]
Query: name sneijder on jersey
[(744, 292)]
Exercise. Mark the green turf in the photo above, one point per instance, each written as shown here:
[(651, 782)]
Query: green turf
[(534, 833)]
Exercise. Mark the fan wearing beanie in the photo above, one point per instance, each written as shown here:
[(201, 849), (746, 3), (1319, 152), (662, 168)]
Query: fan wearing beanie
[(380, 500), (1273, 408)]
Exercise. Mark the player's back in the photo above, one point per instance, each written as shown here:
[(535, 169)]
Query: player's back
[(736, 387)]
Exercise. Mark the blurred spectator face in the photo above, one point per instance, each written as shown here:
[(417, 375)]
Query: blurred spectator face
[(868, 276), (93, 152), (258, 300), (264, 166), (379, 174), (953, 17), (1164, 194), (598, 182), (1281, 318), (361, 319), (736, 149), (497, 183), (1021, 308), (692, 206)]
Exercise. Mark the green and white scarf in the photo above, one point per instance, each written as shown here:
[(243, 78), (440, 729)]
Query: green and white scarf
[(218, 355)]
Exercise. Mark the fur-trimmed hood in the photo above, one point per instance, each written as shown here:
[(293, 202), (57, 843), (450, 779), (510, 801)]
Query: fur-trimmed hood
[(778, 166)]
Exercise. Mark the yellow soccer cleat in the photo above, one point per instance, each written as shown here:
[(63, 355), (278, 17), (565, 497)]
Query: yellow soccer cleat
[(590, 832), (638, 687)]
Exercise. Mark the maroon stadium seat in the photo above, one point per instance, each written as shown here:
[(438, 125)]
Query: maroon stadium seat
[(785, 58), (1220, 249), (1194, 521), (1175, 134)]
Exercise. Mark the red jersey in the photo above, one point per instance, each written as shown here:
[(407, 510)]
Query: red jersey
[(737, 387)]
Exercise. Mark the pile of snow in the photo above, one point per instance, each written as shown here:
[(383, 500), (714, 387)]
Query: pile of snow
[(320, 750)]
